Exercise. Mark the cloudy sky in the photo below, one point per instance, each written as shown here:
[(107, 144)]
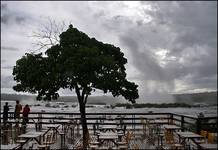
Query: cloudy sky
[(171, 47)]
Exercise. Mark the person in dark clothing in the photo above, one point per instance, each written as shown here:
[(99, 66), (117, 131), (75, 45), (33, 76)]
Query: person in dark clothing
[(5, 113), (26, 111)]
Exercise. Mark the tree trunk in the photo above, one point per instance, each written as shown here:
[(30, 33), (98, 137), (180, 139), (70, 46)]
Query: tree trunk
[(84, 126)]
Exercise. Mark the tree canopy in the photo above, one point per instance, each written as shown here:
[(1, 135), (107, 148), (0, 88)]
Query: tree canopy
[(78, 63)]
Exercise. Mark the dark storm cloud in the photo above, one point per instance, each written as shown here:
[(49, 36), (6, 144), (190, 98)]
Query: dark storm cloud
[(188, 30), (193, 22), (10, 17), (4, 14), (205, 82), (184, 34), (145, 62)]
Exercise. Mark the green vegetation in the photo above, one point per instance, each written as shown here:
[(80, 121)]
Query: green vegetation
[(78, 63), (149, 105), (97, 103), (48, 105)]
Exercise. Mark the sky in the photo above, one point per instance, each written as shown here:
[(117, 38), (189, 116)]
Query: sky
[(171, 47)]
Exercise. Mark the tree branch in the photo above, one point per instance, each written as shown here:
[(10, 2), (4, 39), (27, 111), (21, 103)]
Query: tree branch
[(48, 34)]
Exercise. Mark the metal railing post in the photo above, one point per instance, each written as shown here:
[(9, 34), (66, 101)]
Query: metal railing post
[(171, 119), (182, 123), (198, 125)]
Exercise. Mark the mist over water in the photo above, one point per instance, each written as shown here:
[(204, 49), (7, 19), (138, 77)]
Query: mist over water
[(38, 106), (156, 98)]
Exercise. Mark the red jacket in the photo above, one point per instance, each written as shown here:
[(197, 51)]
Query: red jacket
[(26, 111)]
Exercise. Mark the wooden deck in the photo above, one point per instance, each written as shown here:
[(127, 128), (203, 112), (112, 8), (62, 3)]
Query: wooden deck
[(73, 139), (138, 142)]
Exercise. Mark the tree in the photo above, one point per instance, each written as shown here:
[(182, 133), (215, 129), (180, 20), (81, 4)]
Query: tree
[(77, 63), (47, 34)]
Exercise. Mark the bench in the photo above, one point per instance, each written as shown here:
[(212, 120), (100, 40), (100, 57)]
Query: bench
[(49, 139)]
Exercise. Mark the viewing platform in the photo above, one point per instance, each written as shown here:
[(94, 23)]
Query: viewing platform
[(51, 130)]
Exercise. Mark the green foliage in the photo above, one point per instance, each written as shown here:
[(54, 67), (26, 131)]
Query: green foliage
[(33, 74), (77, 62)]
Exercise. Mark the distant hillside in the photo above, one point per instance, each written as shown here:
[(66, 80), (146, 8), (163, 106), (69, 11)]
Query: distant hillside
[(14, 97), (91, 99), (206, 97)]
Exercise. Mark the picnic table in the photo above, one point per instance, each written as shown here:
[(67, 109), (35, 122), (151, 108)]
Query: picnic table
[(188, 136), (155, 128), (157, 124), (109, 125), (64, 123), (208, 146), (10, 146), (72, 132), (106, 128), (108, 136), (53, 127), (32, 136), (168, 128)]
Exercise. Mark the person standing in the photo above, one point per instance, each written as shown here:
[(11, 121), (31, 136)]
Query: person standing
[(26, 111), (5, 113), (18, 109)]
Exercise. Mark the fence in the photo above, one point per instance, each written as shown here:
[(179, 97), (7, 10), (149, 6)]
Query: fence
[(133, 120)]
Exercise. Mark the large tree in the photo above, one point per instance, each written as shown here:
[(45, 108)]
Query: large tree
[(78, 63)]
